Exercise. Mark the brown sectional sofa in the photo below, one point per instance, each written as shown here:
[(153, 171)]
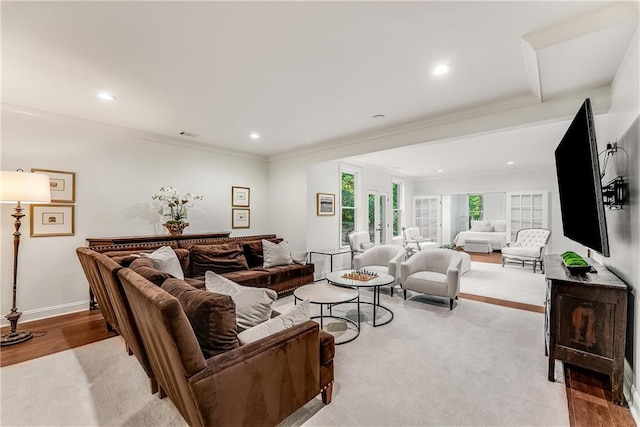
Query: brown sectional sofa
[(186, 340), (239, 259)]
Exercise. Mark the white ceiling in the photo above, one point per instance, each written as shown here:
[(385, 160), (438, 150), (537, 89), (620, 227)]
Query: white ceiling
[(302, 74)]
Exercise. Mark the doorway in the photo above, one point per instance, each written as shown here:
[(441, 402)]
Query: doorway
[(377, 223)]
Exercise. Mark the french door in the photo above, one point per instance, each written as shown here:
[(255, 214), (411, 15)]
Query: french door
[(378, 225), (427, 217)]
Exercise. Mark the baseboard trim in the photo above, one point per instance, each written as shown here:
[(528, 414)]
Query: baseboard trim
[(631, 393), (46, 312)]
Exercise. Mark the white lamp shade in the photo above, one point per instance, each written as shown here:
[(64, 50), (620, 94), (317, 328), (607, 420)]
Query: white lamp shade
[(24, 187)]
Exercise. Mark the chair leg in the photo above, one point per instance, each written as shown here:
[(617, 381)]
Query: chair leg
[(327, 394), (451, 304), (503, 261), (405, 294), (534, 265), (391, 290), (161, 393)]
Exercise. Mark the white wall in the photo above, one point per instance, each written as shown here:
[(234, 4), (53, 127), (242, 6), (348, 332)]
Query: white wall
[(116, 174), (624, 225)]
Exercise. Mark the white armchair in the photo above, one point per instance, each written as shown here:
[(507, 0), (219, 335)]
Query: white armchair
[(359, 241), (413, 240), (530, 246), (382, 259), (433, 272)]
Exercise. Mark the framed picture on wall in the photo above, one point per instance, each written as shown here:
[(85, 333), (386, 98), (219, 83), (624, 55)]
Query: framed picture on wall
[(326, 204), (62, 184), (240, 196), (52, 220), (240, 218)]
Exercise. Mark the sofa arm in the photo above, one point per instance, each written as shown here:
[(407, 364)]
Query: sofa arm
[(453, 281), (409, 267), (274, 377)]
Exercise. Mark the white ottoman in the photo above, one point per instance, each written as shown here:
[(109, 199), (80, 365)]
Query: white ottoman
[(472, 245)]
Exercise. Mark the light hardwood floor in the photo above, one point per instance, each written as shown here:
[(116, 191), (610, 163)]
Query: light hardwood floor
[(588, 393)]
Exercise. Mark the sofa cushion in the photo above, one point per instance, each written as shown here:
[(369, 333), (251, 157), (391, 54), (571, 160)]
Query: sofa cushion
[(276, 253), (166, 260), (298, 314), (256, 277), (211, 315), (220, 259), (253, 305), (145, 268), (253, 252), (283, 273)]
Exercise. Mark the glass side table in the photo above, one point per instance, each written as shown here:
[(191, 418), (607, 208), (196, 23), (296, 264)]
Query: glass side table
[(330, 253)]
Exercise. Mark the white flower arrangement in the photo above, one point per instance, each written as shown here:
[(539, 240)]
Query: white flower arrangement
[(177, 205)]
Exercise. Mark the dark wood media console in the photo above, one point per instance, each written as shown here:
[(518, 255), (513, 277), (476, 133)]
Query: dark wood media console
[(586, 321)]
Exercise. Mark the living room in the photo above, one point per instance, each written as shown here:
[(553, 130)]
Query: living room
[(119, 164)]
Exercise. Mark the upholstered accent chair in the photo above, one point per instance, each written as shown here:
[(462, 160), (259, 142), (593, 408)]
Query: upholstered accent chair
[(529, 247), (433, 272), (413, 240), (382, 259), (359, 241)]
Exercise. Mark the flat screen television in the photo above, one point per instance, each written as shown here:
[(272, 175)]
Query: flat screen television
[(579, 183)]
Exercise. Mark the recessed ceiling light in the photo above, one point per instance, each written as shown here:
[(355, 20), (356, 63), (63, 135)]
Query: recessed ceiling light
[(510, 163), (378, 116), (106, 96), (254, 135), (440, 170), (441, 69)]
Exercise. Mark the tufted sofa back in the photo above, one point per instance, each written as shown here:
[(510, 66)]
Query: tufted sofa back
[(532, 237)]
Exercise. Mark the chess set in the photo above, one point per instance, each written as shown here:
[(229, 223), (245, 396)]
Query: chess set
[(361, 275)]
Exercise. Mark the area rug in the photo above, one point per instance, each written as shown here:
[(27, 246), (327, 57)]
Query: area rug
[(510, 283), (478, 365)]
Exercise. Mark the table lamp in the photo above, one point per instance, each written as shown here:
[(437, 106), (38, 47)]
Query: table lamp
[(20, 187)]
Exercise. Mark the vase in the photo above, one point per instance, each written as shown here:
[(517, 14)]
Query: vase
[(176, 228)]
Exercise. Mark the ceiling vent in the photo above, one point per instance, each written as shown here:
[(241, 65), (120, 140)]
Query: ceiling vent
[(189, 134)]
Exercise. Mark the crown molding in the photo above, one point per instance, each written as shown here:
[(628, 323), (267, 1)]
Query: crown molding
[(25, 112)]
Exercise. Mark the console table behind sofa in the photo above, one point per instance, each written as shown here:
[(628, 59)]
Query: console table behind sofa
[(107, 244)]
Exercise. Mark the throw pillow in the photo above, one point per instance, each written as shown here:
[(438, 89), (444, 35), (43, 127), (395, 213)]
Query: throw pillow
[(166, 260), (253, 252), (499, 225), (276, 253), (476, 224), (211, 315), (145, 268), (297, 315), (219, 258), (486, 228), (253, 305), (299, 257)]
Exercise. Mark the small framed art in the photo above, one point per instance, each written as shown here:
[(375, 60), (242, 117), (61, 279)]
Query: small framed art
[(52, 220), (240, 196), (62, 184), (326, 204), (240, 218)]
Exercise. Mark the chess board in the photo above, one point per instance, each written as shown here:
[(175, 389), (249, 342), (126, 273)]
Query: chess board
[(355, 275)]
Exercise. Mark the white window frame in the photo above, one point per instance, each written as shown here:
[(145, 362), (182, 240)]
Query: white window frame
[(356, 200), (400, 210)]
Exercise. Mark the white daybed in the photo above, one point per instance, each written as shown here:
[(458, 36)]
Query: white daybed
[(493, 231)]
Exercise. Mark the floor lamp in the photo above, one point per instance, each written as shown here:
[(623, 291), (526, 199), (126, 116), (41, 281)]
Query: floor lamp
[(20, 187)]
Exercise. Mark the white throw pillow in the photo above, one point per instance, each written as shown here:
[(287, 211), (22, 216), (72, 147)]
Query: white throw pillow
[(299, 257), (486, 228), (166, 260), (476, 224), (499, 225), (297, 315), (253, 305), (276, 253)]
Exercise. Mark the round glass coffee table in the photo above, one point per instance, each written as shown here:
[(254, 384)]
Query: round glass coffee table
[(328, 295), (382, 279)]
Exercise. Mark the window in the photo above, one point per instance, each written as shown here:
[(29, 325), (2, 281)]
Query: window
[(398, 203), (348, 212), (475, 206)]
